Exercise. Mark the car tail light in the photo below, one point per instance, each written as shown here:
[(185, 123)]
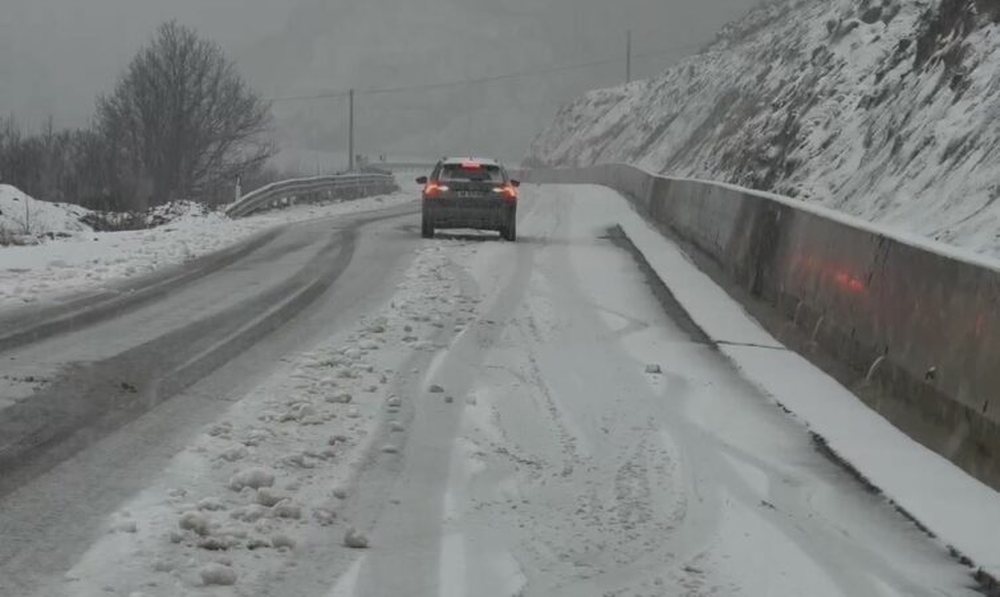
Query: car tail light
[(508, 191), (434, 189)]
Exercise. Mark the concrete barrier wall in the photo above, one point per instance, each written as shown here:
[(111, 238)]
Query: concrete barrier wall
[(917, 322)]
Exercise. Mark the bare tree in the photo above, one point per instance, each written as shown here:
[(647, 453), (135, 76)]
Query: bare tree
[(11, 151), (70, 165), (182, 120)]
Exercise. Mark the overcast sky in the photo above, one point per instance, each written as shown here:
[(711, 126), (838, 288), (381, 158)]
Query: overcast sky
[(57, 55)]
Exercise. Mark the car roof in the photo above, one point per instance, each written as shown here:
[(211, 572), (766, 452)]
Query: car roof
[(483, 161)]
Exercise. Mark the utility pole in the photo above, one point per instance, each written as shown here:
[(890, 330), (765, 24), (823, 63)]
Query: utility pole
[(628, 56), (350, 134)]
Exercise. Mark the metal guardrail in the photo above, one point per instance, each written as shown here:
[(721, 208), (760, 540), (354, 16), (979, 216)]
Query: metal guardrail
[(286, 192), (407, 166)]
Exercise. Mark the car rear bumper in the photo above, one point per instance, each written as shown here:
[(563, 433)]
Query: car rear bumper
[(490, 214)]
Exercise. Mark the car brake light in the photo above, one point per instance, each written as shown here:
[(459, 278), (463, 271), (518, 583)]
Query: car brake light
[(471, 166), (434, 189), (508, 191)]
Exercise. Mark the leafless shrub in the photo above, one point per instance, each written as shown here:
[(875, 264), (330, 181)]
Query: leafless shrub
[(182, 121)]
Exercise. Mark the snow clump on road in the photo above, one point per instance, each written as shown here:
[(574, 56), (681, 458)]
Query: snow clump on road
[(218, 574), (355, 539)]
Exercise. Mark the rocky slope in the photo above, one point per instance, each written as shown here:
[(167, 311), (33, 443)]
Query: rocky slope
[(884, 109)]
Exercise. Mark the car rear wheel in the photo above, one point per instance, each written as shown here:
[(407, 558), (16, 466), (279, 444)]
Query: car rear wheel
[(509, 230), (426, 227)]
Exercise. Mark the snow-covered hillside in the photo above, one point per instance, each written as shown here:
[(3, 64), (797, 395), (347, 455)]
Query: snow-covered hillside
[(885, 109)]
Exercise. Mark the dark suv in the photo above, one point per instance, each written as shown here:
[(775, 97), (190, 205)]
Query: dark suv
[(469, 193)]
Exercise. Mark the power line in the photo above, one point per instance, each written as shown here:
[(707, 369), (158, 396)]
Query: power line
[(481, 80), (628, 57)]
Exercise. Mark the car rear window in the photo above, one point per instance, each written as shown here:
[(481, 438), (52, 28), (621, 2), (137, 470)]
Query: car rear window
[(470, 172)]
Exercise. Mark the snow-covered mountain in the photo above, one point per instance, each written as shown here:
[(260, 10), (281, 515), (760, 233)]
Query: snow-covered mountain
[(886, 109)]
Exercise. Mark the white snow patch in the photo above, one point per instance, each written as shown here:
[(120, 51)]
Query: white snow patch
[(29, 220), (253, 478), (196, 522), (355, 539), (217, 574), (211, 504)]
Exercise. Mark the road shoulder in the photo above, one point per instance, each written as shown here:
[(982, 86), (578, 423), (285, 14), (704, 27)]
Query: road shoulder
[(955, 507)]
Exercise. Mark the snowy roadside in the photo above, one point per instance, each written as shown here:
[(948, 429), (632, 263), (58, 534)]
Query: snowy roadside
[(89, 260), (266, 484), (952, 504)]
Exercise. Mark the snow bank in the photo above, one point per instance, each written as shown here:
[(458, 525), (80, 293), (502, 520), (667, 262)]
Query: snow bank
[(25, 220), (174, 211)]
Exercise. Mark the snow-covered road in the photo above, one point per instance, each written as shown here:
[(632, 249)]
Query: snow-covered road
[(492, 419)]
